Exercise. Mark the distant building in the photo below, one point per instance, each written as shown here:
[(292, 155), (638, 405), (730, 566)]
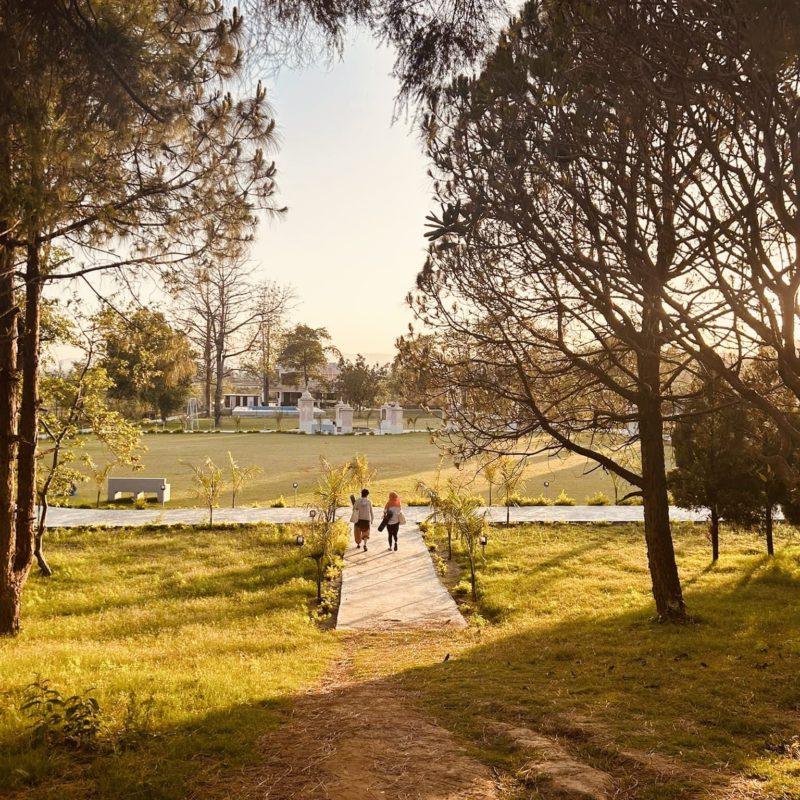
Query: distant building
[(289, 391), (231, 401)]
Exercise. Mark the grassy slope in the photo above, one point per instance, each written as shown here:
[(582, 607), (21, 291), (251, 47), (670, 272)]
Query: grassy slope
[(213, 626), (400, 461), (574, 652)]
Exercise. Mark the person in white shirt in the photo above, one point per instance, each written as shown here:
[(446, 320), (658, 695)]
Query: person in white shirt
[(364, 518)]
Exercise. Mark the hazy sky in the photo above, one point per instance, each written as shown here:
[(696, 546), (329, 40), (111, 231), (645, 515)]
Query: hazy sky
[(357, 191)]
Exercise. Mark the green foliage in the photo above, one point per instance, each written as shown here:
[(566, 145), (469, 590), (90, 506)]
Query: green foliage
[(361, 385), (279, 503), (333, 488), (361, 475), (195, 641), (240, 476), (72, 403), (490, 469), (325, 543), (58, 721), (150, 364), (563, 499), (305, 351), (209, 483), (598, 499), (573, 649)]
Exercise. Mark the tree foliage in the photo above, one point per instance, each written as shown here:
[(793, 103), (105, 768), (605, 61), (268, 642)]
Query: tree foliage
[(305, 351), (151, 365), (360, 384)]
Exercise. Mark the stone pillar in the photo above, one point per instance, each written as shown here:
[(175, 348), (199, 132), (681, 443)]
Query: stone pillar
[(344, 418), (392, 418), (305, 405)]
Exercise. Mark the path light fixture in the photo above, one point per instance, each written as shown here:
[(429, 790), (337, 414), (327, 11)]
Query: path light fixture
[(299, 540), (312, 514), (295, 485), (546, 485), (484, 540)]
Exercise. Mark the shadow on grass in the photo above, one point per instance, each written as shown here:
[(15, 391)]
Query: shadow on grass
[(704, 695), (668, 711)]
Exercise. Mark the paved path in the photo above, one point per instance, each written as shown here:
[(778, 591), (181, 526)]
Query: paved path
[(387, 589), (73, 517)]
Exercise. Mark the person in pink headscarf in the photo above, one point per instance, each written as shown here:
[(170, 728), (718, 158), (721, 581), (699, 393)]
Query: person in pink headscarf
[(393, 516)]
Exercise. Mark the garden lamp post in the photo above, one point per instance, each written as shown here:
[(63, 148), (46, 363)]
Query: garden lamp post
[(546, 485), (299, 540), (484, 540), (295, 485)]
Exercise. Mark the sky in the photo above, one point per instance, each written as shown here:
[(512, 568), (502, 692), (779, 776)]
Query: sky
[(357, 192)]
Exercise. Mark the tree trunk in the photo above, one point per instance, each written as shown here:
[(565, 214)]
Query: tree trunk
[(10, 584), (28, 418), (449, 543), (768, 527), (44, 567), (714, 534), (208, 366), (472, 578), (266, 389), (660, 550), (219, 369)]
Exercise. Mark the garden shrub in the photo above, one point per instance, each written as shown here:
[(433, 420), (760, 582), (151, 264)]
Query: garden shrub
[(598, 499), (564, 499)]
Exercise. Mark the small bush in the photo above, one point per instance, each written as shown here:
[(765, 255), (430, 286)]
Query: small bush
[(418, 501), (140, 503), (541, 500), (632, 501), (279, 503), (564, 499), (61, 721), (598, 499)]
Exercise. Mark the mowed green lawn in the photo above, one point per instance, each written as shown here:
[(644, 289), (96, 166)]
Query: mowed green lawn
[(211, 631), (192, 641), (567, 646), (400, 462)]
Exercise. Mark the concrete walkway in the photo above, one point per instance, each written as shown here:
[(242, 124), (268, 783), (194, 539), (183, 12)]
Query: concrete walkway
[(389, 589), (75, 517)]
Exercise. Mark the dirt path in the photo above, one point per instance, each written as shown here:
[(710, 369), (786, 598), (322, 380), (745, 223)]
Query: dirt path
[(351, 740)]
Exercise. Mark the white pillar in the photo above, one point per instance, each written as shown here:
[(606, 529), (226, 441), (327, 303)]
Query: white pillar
[(305, 405), (392, 415), (344, 418)]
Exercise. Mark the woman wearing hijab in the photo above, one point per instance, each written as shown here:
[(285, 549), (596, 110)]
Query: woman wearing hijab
[(393, 515)]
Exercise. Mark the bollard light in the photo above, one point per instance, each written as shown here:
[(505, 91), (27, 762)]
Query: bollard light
[(484, 540), (312, 513), (300, 540), (295, 485)]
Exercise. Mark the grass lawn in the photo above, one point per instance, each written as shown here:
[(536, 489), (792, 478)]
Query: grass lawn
[(400, 462), (565, 644), (210, 630)]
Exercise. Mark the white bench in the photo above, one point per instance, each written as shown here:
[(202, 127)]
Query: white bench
[(138, 487)]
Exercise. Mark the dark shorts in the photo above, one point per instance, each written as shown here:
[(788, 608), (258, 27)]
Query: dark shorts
[(363, 524)]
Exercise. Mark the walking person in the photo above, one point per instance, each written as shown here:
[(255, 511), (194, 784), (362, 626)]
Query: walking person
[(393, 517), (362, 518)]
